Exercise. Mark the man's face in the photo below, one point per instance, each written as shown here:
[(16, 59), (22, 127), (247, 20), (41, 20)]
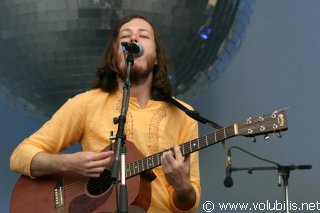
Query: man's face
[(139, 31)]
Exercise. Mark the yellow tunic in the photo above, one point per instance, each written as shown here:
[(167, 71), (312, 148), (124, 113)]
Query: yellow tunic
[(88, 118)]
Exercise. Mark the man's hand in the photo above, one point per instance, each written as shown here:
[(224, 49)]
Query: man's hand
[(89, 164), (177, 171)]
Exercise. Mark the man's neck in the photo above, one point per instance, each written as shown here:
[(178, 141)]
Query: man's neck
[(142, 91)]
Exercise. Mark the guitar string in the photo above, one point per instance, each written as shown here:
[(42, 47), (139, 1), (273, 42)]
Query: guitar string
[(95, 184), (202, 142)]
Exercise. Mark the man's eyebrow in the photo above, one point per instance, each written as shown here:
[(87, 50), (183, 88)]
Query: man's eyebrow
[(123, 30), (140, 30)]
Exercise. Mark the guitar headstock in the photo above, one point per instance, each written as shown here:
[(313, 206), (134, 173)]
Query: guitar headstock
[(274, 122)]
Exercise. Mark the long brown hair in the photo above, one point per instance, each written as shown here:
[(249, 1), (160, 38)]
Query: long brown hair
[(161, 87)]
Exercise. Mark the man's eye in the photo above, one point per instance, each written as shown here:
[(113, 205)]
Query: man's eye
[(144, 36)]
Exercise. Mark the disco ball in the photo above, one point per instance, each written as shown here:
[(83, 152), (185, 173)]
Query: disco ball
[(50, 49)]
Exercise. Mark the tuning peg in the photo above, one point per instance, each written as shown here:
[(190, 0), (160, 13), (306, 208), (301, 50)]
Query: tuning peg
[(253, 139), (266, 137), (279, 135)]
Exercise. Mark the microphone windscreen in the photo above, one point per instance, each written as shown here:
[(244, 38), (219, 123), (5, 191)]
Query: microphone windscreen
[(228, 182), (305, 167)]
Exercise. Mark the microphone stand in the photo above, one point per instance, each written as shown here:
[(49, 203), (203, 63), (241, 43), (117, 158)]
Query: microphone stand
[(284, 172), (120, 149)]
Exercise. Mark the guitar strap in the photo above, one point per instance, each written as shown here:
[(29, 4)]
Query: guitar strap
[(195, 115)]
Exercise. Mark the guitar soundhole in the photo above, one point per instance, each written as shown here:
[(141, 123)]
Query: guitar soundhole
[(97, 186)]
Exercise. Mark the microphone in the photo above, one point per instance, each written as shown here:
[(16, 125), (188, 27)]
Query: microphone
[(134, 48), (303, 167), (228, 182)]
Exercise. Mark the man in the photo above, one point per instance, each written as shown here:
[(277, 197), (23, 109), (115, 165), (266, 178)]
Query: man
[(153, 125)]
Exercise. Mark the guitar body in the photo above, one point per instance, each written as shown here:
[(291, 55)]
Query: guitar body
[(69, 192)]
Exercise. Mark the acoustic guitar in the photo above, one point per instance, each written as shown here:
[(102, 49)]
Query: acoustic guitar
[(70, 192)]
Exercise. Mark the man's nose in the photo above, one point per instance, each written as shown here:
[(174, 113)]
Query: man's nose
[(133, 39)]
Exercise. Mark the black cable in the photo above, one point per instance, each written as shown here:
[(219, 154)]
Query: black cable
[(253, 155)]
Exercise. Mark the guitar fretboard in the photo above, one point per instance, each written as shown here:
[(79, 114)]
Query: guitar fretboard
[(154, 160)]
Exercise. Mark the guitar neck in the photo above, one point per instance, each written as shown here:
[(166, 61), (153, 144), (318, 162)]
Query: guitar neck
[(271, 123), (153, 161)]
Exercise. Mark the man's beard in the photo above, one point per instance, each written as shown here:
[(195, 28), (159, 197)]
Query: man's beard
[(138, 75)]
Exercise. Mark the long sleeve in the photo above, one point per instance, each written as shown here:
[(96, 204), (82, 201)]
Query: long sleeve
[(63, 129)]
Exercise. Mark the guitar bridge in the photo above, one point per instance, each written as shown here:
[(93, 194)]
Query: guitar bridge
[(58, 195)]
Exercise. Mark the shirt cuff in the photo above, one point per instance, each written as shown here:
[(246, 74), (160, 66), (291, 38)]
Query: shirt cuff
[(22, 163), (194, 208)]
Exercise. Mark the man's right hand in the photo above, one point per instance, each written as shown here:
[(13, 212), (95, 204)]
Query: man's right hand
[(89, 164)]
